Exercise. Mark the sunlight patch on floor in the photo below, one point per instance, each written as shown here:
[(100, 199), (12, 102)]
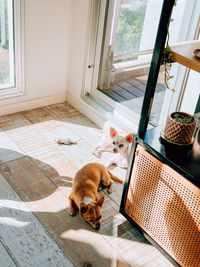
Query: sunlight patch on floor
[(12, 222)]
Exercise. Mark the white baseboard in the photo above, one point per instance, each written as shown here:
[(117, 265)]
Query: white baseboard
[(101, 117), (104, 118), (94, 114), (30, 104)]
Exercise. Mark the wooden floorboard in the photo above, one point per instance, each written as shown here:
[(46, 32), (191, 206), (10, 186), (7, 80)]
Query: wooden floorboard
[(137, 84), (159, 86), (63, 111), (130, 93), (13, 121), (36, 115), (129, 87), (115, 96), (24, 239), (41, 173), (136, 106), (8, 149), (117, 88), (5, 259), (50, 206)]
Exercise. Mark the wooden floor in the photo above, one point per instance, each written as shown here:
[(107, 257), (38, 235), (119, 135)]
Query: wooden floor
[(130, 93), (36, 178)]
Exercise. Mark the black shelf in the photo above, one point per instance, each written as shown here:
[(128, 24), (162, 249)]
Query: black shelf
[(180, 158), (150, 150)]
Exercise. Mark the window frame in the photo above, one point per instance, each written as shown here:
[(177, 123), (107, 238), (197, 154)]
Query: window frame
[(91, 73), (135, 67), (106, 106), (18, 29), (190, 30), (95, 57)]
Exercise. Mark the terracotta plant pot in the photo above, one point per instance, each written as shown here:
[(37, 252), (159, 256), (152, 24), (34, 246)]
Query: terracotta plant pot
[(179, 132)]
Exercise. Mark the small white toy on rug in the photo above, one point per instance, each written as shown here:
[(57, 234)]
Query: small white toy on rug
[(66, 141), (117, 144)]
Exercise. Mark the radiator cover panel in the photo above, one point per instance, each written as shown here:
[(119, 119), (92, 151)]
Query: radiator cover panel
[(166, 206)]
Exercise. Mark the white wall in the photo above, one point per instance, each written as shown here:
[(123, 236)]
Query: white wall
[(78, 55), (47, 35), (55, 45), (80, 11), (191, 93)]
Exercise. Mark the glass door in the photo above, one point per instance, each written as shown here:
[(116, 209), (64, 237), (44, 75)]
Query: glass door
[(125, 40)]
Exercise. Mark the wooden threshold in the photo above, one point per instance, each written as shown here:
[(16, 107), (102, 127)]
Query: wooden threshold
[(130, 93)]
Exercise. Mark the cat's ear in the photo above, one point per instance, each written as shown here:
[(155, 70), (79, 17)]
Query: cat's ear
[(113, 132), (129, 138)]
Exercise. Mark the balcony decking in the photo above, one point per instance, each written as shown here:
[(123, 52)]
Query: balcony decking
[(130, 92)]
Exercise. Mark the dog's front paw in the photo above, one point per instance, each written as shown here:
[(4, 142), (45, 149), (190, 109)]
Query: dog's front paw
[(109, 191), (72, 213), (100, 188)]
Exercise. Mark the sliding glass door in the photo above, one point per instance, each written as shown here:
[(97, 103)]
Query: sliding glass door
[(125, 37)]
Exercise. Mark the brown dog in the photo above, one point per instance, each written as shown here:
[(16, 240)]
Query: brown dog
[(84, 195)]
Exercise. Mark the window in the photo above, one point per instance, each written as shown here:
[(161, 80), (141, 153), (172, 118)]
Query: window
[(6, 45), (10, 47), (129, 38), (129, 29), (120, 53)]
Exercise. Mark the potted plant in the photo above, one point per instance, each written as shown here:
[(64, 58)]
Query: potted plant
[(179, 128)]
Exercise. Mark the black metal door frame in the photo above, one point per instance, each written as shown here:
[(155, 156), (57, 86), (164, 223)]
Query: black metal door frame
[(147, 104), (155, 65)]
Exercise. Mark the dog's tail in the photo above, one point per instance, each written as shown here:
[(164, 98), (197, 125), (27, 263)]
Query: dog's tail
[(115, 178)]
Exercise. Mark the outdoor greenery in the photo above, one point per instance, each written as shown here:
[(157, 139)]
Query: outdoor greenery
[(129, 30), (4, 6), (4, 43), (167, 56)]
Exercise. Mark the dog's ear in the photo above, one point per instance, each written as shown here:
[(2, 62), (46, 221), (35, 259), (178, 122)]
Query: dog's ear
[(113, 132), (129, 138), (100, 201), (83, 208)]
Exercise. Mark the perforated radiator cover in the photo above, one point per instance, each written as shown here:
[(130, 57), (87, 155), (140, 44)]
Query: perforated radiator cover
[(166, 206)]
